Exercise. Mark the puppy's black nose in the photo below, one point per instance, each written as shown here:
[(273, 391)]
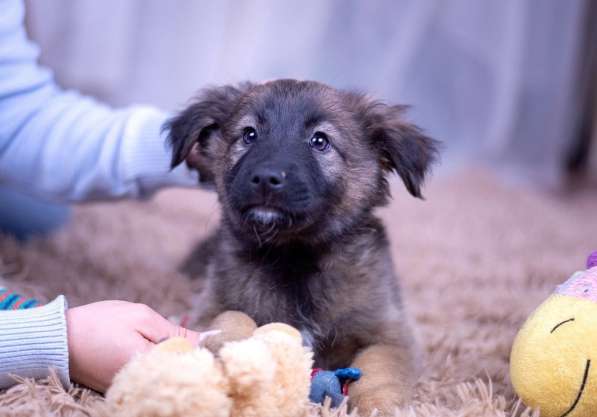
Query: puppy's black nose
[(268, 178)]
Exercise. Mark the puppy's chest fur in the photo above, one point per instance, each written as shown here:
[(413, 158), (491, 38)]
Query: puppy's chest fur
[(341, 296)]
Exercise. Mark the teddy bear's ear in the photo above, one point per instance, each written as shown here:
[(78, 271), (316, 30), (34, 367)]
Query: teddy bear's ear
[(233, 325), (279, 327)]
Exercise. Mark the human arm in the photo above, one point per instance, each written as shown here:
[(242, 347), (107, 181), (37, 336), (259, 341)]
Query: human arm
[(68, 147), (32, 341), (87, 344), (103, 336)]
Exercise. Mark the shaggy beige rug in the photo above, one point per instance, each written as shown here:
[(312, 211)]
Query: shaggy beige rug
[(475, 259)]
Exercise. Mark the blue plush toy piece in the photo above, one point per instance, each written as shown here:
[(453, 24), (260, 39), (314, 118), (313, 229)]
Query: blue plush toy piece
[(331, 383)]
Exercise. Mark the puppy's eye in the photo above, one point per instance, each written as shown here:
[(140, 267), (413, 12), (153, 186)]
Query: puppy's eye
[(320, 142), (249, 135)]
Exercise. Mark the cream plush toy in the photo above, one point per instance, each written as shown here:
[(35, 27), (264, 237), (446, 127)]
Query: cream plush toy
[(265, 375), (553, 365)]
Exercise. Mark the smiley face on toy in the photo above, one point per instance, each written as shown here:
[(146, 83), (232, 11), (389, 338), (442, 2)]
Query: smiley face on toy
[(553, 365)]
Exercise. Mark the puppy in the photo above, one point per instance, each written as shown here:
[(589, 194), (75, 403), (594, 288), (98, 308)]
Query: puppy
[(299, 168)]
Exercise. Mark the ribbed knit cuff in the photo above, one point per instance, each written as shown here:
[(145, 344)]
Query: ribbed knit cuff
[(146, 156), (32, 341)]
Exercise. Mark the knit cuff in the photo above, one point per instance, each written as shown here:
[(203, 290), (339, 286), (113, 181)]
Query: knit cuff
[(32, 341), (146, 156)]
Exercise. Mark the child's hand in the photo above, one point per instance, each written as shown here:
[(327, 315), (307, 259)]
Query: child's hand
[(103, 336)]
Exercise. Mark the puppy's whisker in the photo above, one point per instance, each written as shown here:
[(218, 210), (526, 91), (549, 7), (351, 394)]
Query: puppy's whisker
[(257, 236), (270, 234)]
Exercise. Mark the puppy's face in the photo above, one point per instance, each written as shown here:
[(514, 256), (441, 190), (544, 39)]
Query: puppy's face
[(294, 160)]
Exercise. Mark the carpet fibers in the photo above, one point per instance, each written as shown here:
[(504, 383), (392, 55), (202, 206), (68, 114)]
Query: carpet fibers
[(475, 258)]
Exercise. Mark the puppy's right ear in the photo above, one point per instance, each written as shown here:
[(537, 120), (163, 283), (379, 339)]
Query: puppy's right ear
[(403, 147), (191, 131)]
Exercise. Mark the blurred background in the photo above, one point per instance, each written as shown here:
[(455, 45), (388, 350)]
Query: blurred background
[(510, 85), (509, 82)]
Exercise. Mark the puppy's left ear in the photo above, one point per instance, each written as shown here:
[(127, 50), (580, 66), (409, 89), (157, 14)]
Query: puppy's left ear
[(403, 147), (191, 133)]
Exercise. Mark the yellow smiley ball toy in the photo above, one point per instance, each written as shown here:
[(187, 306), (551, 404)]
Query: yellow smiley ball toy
[(553, 364)]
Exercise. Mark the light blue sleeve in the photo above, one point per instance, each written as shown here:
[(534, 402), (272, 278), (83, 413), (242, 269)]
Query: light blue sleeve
[(68, 147), (33, 341)]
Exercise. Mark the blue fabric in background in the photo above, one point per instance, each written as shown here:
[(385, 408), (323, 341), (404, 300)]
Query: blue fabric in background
[(23, 216)]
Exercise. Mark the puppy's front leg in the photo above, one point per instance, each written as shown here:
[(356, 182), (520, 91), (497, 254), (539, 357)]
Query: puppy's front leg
[(389, 374)]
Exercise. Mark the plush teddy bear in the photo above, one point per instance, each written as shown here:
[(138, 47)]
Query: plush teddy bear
[(266, 374)]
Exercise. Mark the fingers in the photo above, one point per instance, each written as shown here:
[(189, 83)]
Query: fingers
[(150, 324), (191, 336), (156, 328)]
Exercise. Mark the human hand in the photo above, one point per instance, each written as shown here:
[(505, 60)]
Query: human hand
[(103, 336)]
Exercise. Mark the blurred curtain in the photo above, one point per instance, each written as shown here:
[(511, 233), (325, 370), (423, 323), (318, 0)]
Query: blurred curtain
[(497, 81)]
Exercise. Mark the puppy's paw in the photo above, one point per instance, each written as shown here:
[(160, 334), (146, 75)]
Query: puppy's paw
[(385, 400)]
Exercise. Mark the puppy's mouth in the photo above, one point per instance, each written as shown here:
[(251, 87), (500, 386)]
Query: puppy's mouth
[(269, 222), (264, 215), (264, 218)]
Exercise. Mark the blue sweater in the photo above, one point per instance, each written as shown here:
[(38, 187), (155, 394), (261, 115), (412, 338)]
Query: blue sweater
[(67, 147)]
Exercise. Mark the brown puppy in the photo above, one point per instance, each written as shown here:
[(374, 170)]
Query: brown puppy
[(299, 168)]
